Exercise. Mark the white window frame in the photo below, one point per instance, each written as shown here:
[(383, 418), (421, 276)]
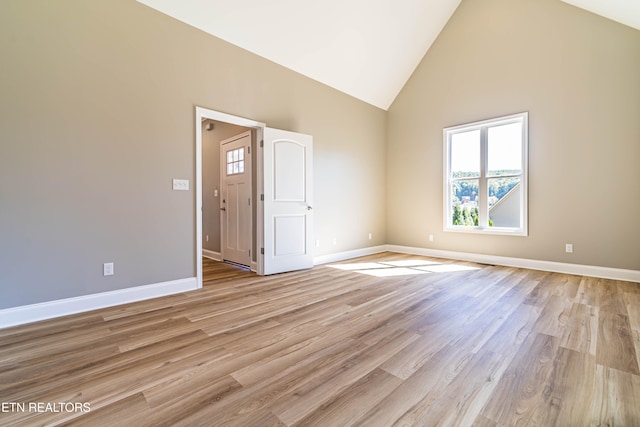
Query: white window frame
[(483, 199)]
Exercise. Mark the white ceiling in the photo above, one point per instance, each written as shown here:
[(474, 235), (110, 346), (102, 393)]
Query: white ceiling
[(365, 48), (624, 11)]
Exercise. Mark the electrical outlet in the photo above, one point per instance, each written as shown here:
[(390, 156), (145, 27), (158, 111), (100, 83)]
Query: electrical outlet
[(207, 237), (370, 236), (317, 243), (107, 269), (568, 248), (431, 237), (335, 241)]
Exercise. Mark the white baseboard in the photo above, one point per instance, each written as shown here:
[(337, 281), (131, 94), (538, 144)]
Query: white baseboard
[(47, 310), (216, 256), (557, 267), (341, 256)]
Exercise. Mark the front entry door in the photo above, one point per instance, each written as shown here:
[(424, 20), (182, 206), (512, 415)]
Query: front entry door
[(235, 200), (288, 201)]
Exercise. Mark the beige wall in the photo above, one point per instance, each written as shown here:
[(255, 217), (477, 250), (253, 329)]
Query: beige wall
[(578, 75), (97, 104)]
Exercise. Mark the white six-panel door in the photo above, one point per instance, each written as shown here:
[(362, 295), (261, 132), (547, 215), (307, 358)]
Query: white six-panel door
[(288, 201)]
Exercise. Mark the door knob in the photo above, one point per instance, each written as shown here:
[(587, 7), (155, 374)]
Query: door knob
[(223, 209), (309, 208)]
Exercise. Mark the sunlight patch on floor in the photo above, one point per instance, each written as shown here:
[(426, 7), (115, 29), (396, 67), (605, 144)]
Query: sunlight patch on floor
[(403, 267), (446, 268), (409, 262), (391, 271), (359, 266)]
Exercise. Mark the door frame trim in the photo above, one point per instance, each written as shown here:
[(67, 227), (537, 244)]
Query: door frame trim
[(201, 114)]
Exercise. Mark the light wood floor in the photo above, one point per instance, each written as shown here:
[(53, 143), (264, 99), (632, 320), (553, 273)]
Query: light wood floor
[(440, 343)]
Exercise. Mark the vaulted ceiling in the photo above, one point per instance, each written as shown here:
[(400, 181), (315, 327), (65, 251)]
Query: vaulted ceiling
[(365, 48)]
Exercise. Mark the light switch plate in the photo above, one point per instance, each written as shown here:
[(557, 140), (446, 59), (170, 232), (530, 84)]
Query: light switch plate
[(181, 184)]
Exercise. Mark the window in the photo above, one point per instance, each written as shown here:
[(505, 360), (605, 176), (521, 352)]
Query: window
[(235, 161), (486, 176)]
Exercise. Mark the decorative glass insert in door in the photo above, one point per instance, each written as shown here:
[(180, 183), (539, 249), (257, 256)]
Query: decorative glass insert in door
[(235, 161)]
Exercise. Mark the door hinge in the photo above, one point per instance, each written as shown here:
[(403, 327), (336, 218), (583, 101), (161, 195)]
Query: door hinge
[(261, 143), (262, 251), (249, 253), (262, 197), (249, 202), (248, 150)]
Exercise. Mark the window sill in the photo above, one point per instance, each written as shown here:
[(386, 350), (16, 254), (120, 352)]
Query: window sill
[(495, 231)]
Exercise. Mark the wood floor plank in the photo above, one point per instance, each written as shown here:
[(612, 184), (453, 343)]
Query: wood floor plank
[(203, 418), (571, 387), (602, 293), (511, 334), (29, 333), (555, 316), (122, 412), (301, 401), (346, 407), (168, 406), (241, 407), (542, 292), (581, 331), (519, 396), (564, 285), (59, 341), (406, 362), (615, 348), (432, 342), (266, 367), (633, 308), (616, 397), (481, 421), (68, 372), (106, 389), (462, 400), (143, 319), (419, 389)]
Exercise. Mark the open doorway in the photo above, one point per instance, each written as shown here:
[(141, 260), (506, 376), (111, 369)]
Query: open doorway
[(211, 129), (228, 210), (282, 217)]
